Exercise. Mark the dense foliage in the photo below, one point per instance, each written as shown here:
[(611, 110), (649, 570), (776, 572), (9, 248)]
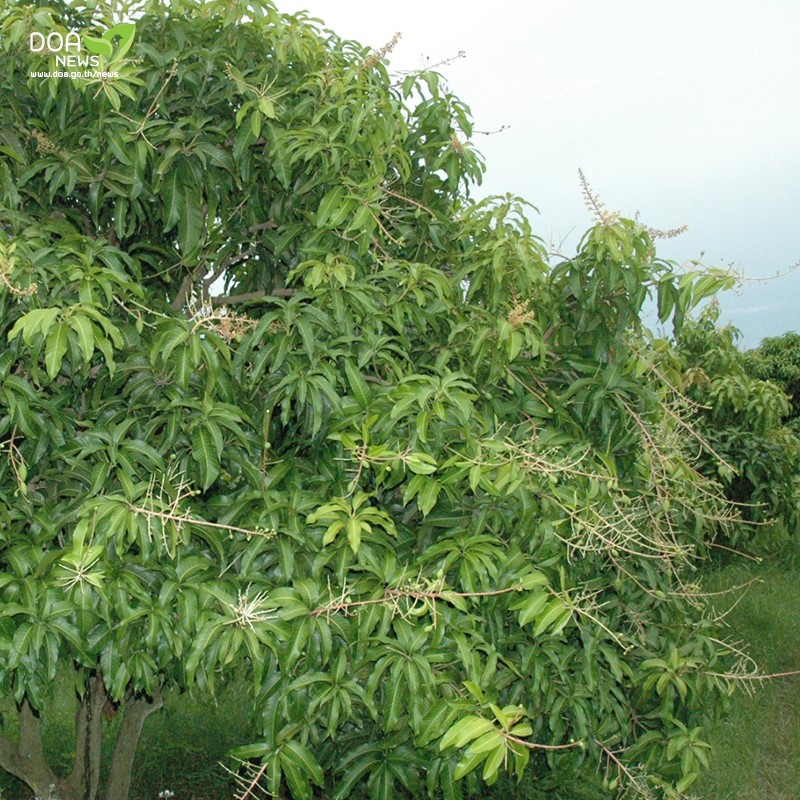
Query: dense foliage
[(277, 395), (752, 450), (777, 359)]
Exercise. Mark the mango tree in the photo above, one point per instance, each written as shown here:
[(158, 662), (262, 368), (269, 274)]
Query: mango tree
[(744, 412), (777, 359), (278, 395)]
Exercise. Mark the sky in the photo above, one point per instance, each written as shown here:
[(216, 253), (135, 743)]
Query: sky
[(684, 111)]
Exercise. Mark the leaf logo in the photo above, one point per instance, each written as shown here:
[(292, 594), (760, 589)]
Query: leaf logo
[(104, 47)]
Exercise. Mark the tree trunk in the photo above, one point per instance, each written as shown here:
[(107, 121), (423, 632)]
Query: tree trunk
[(25, 759), (137, 709), (84, 781)]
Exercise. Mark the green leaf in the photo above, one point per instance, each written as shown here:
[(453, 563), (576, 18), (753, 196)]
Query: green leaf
[(144, 453), (255, 750), (266, 107), (465, 730), (83, 328), (102, 47), (354, 534), (686, 782), (467, 763), (330, 206), (395, 698), (190, 223), (172, 191), (489, 741), (22, 640), (421, 463), (198, 650), (494, 762), (368, 760), (104, 346), (330, 533), (532, 606), (184, 366), (428, 494), (255, 123), (217, 156), (436, 722), (282, 168), (205, 454), (301, 756), (295, 642), (358, 386), (11, 153), (38, 320), (57, 340), (533, 579), (242, 143), (553, 615)]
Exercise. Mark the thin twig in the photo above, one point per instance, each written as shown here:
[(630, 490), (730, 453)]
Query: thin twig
[(261, 294), (757, 559), (185, 518), (733, 677), (537, 746)]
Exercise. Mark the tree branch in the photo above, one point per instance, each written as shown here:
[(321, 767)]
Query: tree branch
[(27, 761), (232, 299), (188, 281), (262, 226), (183, 293), (228, 261), (137, 710)]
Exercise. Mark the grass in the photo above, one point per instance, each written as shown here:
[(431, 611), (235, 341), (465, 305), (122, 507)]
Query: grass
[(182, 747), (757, 747)]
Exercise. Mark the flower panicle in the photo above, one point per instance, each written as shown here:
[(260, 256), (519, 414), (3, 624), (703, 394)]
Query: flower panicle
[(595, 204)]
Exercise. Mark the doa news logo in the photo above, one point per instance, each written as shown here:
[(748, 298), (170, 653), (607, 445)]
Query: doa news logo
[(69, 50)]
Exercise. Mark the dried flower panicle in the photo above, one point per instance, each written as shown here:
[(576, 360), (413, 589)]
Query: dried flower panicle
[(7, 263), (520, 313), (595, 204), (43, 143), (378, 55), (225, 322), (228, 326), (15, 290), (656, 233), (606, 217), (457, 144)]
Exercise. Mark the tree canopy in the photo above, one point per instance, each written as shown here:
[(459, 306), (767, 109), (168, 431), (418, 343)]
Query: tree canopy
[(777, 359), (744, 413), (279, 396)]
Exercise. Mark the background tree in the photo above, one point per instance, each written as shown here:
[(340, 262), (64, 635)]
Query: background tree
[(278, 394), (743, 417), (777, 359)]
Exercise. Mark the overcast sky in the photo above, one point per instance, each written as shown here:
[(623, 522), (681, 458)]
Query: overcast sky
[(687, 112)]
